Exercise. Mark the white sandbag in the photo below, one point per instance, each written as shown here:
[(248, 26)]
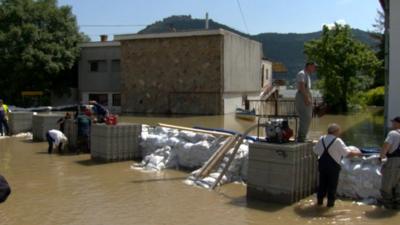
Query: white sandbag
[(360, 178)]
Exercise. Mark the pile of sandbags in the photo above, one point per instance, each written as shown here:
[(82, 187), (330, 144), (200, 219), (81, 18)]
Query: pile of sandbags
[(171, 148), (360, 178)]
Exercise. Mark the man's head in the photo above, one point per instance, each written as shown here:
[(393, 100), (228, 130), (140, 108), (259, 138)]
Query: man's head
[(334, 129), (1, 101), (396, 122), (310, 67)]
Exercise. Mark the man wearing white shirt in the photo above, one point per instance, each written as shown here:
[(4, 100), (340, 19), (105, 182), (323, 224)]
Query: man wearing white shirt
[(330, 150), (304, 100), (390, 187), (55, 138)]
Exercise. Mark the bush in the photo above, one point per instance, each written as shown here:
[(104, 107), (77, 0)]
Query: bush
[(357, 101), (376, 96)]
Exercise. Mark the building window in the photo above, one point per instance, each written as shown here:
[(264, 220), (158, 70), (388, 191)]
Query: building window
[(116, 65), (116, 100), (98, 66), (100, 98)]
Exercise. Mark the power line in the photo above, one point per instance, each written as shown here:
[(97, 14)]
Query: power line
[(241, 13)]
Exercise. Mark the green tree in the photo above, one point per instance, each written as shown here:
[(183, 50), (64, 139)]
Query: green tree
[(346, 66), (38, 44)]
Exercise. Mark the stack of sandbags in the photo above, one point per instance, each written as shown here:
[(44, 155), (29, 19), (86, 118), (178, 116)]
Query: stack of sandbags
[(170, 148), (360, 178)]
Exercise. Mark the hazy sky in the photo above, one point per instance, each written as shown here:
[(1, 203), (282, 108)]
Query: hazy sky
[(282, 16)]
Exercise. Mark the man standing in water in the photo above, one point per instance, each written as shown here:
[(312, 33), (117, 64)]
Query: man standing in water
[(390, 155), (330, 150), (304, 100)]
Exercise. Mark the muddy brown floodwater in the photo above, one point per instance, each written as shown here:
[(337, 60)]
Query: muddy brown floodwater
[(71, 189)]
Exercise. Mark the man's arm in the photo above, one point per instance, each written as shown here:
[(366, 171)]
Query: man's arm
[(385, 148)]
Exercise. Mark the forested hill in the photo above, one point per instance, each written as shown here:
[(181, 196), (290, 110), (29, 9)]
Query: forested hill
[(285, 48)]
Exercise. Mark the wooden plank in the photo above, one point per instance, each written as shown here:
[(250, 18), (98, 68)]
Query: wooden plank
[(236, 148), (193, 129), (217, 157)]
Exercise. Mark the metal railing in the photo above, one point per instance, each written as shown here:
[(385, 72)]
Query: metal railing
[(283, 107)]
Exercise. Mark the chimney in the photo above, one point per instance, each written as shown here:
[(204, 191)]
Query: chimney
[(207, 21), (103, 37)]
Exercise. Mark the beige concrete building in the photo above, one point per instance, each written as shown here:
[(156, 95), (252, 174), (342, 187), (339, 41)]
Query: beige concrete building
[(200, 72), (204, 72)]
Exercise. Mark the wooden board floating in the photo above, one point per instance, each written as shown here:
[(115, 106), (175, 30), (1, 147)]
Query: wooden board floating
[(194, 130)]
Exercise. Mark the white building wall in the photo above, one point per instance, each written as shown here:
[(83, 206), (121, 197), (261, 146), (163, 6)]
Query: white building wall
[(394, 60), (241, 64), (266, 72)]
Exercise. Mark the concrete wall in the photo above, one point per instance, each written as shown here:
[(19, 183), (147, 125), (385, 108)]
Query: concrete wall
[(174, 74), (106, 81), (394, 60), (242, 64)]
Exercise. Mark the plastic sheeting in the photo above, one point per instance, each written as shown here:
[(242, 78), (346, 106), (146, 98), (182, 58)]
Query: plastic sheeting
[(360, 178)]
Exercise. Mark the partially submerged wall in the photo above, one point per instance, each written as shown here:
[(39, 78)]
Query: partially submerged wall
[(20, 122)]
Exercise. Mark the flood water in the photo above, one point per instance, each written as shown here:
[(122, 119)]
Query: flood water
[(71, 189)]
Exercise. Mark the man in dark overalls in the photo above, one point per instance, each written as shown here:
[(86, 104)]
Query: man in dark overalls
[(331, 149), (390, 155)]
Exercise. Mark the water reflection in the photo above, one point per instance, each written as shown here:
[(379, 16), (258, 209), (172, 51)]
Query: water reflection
[(72, 189), (360, 129)]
